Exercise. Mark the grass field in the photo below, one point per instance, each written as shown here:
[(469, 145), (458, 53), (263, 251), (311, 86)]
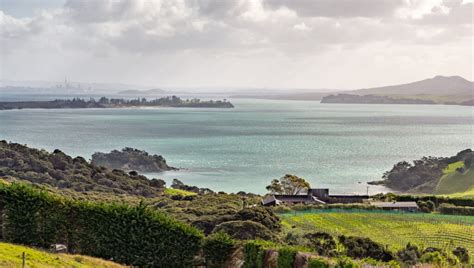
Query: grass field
[(392, 229), (455, 182), (11, 256)]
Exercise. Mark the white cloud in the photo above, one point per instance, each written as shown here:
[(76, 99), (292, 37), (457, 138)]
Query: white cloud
[(169, 41)]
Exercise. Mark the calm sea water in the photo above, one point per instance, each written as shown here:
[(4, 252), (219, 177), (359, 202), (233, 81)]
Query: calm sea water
[(340, 146)]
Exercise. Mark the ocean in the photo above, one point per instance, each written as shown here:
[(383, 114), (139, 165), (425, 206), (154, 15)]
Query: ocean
[(339, 146)]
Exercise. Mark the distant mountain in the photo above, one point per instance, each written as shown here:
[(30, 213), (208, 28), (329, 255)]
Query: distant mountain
[(154, 91), (436, 86), (436, 90)]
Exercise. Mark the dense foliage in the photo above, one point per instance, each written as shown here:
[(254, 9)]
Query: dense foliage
[(131, 159), (288, 184), (130, 235), (217, 249), (245, 230), (64, 172), (323, 243), (359, 248), (171, 101), (456, 210), (286, 257)]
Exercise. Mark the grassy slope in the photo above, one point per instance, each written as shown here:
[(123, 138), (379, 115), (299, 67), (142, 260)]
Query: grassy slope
[(392, 229), (11, 256), (455, 182), (171, 191)]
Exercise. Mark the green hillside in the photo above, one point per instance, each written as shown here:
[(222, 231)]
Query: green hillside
[(11, 256), (454, 181)]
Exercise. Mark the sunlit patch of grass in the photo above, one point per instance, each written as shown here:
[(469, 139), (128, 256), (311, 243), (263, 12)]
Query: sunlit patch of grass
[(12, 256)]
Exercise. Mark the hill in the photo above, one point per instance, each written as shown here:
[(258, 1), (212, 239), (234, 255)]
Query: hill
[(64, 172), (456, 182), (439, 89), (436, 86), (441, 175), (11, 256)]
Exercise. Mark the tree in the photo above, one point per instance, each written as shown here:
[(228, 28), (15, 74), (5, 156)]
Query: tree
[(275, 187), (288, 184)]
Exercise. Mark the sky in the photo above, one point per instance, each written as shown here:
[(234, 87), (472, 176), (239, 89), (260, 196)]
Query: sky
[(313, 44)]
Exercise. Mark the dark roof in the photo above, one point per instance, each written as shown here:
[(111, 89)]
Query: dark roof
[(278, 198)]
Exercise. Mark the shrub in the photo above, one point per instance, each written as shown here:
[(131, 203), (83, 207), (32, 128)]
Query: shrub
[(360, 248), (286, 257), (409, 255), (323, 243), (435, 258), (262, 215), (462, 254), (245, 230), (315, 262), (456, 210), (252, 258), (217, 249), (345, 262), (426, 206), (131, 235)]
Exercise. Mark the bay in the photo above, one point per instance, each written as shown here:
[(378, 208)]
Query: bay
[(340, 146)]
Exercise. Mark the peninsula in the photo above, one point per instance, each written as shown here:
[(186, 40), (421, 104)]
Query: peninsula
[(77, 103)]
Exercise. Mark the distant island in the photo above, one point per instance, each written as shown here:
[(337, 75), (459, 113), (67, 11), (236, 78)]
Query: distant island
[(77, 103), (376, 99), (372, 99), (448, 90), (131, 159)]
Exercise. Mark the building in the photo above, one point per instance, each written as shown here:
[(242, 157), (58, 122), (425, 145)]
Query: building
[(278, 199), (397, 206), (313, 196)]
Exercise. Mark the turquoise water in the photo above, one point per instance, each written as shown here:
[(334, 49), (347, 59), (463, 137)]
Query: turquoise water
[(340, 146)]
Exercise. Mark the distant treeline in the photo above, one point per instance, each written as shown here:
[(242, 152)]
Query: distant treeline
[(77, 103)]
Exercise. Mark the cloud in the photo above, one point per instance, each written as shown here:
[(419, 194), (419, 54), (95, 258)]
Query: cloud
[(339, 8), (238, 33)]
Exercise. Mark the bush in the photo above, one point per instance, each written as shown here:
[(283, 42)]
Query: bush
[(345, 262), (323, 243), (286, 257), (360, 248), (409, 255), (435, 258), (135, 235), (217, 249), (262, 215), (462, 254), (426, 206), (245, 230), (315, 262), (456, 210), (253, 254)]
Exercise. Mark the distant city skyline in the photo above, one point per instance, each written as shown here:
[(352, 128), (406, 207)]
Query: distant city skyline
[(335, 44)]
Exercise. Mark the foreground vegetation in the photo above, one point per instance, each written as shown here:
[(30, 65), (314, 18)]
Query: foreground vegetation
[(133, 235), (12, 256), (395, 230)]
